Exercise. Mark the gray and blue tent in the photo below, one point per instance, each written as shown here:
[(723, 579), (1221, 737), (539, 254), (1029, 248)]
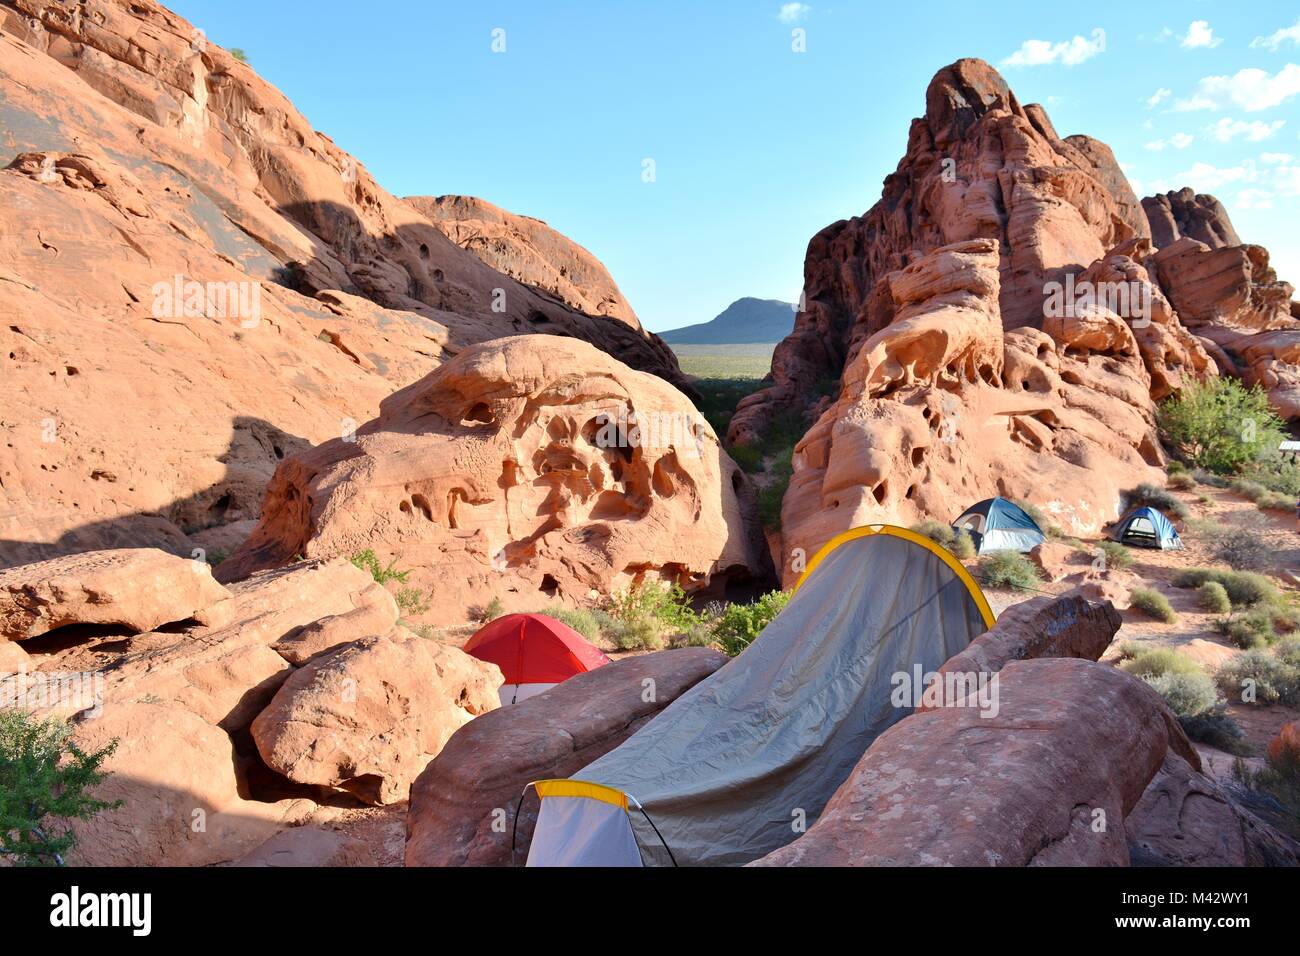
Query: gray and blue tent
[(721, 776), (1147, 528), (996, 524)]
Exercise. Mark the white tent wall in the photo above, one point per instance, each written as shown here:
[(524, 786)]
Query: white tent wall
[(728, 769)]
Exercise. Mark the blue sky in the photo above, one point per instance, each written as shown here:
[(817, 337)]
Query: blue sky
[(755, 146)]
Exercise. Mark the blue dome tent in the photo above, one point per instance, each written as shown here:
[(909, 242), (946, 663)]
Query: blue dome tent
[(1147, 528), (996, 524)]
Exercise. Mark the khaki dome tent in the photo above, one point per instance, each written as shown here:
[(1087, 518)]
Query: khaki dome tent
[(721, 774)]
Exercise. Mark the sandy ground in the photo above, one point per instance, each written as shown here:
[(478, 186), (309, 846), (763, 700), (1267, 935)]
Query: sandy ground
[(1193, 633)]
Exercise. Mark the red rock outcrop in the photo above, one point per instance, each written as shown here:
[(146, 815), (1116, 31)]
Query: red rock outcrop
[(978, 166), (137, 589), (1184, 212), (941, 407), (530, 251), (200, 284), (526, 468), (1047, 781), (463, 805), (368, 717)]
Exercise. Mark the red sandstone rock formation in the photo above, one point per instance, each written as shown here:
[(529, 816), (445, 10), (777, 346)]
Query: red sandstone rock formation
[(1180, 213), (200, 284), (528, 468), (530, 251), (978, 166)]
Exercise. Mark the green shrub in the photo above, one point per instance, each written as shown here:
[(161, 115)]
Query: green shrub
[(641, 617), (748, 457), (1203, 527), (1260, 675), (1146, 495), (1247, 488), (44, 777), (412, 601), (738, 625), (1155, 661), (1276, 501), (1209, 478), (1117, 556), (1213, 597), (492, 610), (936, 531), (1195, 700), (1251, 630), (1243, 550), (963, 545), (1287, 650), (1007, 569), (1275, 471), (1181, 481), (1219, 424), (1153, 603), (367, 561), (772, 494), (238, 54), (1175, 467), (581, 619), (1245, 589), (1280, 779)]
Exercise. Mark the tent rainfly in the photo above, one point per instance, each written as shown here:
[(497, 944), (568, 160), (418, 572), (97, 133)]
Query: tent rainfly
[(719, 776), (534, 652), (1147, 528), (996, 524)]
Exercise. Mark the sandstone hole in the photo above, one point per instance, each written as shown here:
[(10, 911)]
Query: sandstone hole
[(879, 492), (479, 414), (437, 275), (918, 456), (550, 586), (539, 318), (424, 251), (737, 481)]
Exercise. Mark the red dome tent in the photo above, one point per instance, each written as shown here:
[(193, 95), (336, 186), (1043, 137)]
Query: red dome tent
[(534, 652)]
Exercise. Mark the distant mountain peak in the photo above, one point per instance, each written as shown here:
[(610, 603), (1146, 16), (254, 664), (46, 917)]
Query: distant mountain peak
[(748, 319)]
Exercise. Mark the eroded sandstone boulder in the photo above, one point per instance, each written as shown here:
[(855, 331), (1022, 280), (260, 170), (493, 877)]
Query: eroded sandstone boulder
[(463, 805), (375, 613), (978, 166), (369, 716), (1073, 742), (177, 238), (175, 775), (941, 406), (527, 468), (136, 589), (1184, 212)]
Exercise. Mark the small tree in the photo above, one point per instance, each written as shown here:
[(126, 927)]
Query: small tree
[(1220, 425), (44, 777)]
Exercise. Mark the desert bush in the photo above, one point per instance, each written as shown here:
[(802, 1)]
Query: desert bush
[(1007, 569), (1154, 661), (491, 611), (1247, 488), (367, 561), (963, 545), (1181, 481), (1243, 550), (1251, 630), (583, 620), (1287, 650), (1203, 527), (1256, 676), (1195, 701), (1213, 597), (748, 457), (1245, 588), (1175, 467), (772, 494), (640, 617), (1220, 425), (1146, 495), (1204, 477), (1117, 556), (1279, 779), (739, 624), (1276, 501), (936, 531), (44, 779), (1153, 603)]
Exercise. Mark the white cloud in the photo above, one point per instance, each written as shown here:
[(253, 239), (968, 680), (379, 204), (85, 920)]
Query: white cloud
[(1205, 178), (1226, 130), (1286, 180), (1251, 89), (1158, 97), (1200, 34), (1177, 141), (793, 12), (1070, 52), (1276, 159), (1275, 39), (1254, 199)]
